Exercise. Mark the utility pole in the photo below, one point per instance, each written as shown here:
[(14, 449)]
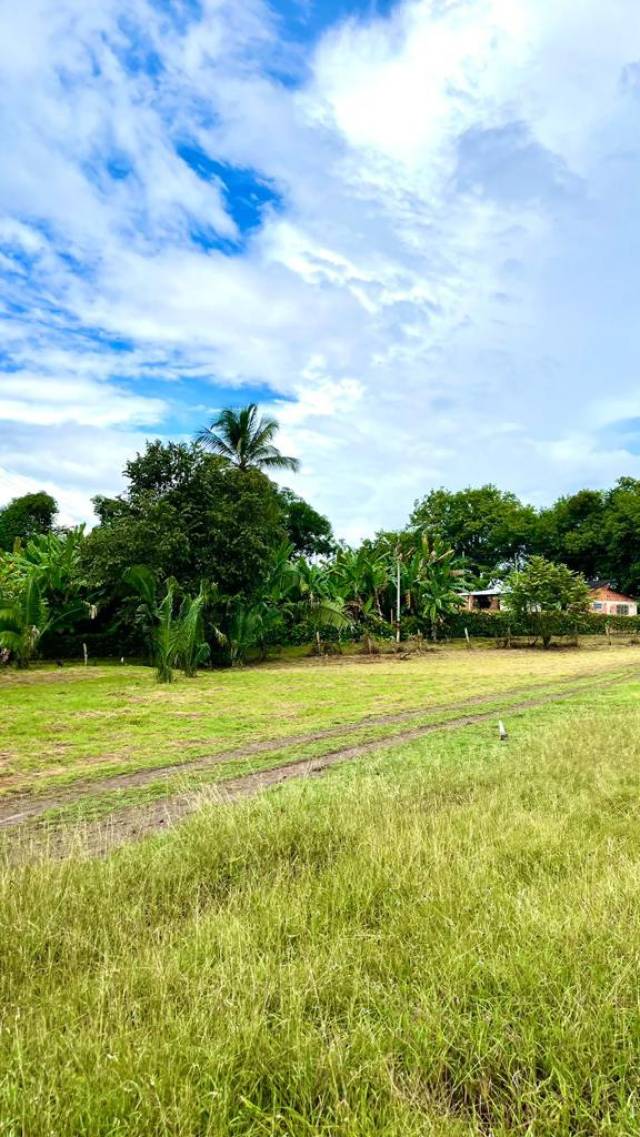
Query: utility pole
[(398, 599)]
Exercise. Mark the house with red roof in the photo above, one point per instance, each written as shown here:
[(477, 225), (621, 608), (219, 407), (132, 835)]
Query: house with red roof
[(603, 598)]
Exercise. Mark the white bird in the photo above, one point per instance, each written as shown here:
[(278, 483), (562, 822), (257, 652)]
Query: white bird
[(502, 731)]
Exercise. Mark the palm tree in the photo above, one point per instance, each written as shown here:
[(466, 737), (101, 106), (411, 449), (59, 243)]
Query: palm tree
[(172, 639), (319, 606), (246, 440), (246, 631), (192, 648)]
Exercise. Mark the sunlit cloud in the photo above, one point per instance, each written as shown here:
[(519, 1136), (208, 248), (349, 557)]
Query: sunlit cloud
[(414, 232)]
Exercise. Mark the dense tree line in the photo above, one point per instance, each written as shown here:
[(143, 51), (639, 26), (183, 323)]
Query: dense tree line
[(203, 556), (593, 532)]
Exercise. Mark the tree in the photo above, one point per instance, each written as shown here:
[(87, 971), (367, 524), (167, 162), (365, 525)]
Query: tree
[(541, 590), (436, 577), (596, 532), (490, 528), (362, 579), (620, 557), (54, 559), (246, 440), (572, 531), (189, 515), (192, 649), (247, 629), (25, 517), (317, 604), (309, 532)]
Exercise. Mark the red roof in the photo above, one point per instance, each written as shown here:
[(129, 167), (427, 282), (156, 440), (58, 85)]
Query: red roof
[(609, 594)]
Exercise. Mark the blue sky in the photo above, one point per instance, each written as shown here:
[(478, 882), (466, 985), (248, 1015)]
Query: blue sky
[(409, 227)]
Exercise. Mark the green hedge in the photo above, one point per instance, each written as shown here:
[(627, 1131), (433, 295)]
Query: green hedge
[(498, 625), (481, 625)]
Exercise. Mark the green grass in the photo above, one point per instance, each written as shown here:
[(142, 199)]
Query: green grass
[(57, 727), (441, 939), (93, 803)]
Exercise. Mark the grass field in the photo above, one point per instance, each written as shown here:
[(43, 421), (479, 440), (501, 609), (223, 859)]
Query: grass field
[(440, 936)]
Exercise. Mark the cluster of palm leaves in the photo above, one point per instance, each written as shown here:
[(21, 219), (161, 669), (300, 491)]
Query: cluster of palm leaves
[(40, 592), (407, 575), (173, 628), (365, 591), (246, 439)]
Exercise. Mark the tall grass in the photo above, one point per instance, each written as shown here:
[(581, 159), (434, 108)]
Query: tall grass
[(445, 942)]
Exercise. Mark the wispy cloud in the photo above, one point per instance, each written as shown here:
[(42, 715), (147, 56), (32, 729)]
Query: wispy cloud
[(417, 225)]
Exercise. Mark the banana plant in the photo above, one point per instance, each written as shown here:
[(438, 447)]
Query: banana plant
[(436, 581), (317, 604), (25, 618)]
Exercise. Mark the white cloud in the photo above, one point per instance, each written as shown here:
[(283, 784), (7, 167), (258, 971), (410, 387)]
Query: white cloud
[(446, 289), (53, 400)]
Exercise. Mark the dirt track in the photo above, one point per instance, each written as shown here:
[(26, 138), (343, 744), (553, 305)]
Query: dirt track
[(132, 823), (17, 808)]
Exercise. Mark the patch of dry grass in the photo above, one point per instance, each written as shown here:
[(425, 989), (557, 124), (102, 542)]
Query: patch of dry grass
[(441, 941)]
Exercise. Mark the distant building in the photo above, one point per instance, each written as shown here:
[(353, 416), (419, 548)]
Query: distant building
[(603, 598), (485, 599)]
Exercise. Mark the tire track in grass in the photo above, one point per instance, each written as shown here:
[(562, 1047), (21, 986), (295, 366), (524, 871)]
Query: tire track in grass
[(17, 807), (133, 822)]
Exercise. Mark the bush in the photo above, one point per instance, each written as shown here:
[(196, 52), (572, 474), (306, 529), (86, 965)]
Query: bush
[(498, 625), (100, 645)]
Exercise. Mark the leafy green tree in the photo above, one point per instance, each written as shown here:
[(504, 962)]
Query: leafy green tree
[(619, 560), (25, 517), (308, 531), (597, 533), (573, 531), (189, 515), (246, 440), (490, 528), (538, 592)]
